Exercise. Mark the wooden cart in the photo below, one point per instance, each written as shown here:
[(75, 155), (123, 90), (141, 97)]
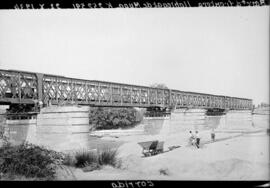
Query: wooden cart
[(151, 147)]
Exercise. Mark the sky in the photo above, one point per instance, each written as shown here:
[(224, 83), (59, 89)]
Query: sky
[(222, 51)]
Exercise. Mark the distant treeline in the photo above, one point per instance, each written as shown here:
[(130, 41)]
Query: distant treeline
[(113, 118)]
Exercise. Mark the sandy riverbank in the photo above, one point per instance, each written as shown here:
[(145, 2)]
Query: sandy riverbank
[(233, 157)]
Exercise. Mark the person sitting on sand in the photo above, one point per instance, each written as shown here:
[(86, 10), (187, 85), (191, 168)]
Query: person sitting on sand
[(213, 135), (197, 136)]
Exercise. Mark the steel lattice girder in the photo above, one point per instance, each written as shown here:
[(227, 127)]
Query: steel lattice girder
[(24, 87), (16, 86)]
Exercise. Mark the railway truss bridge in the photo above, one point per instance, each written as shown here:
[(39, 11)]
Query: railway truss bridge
[(28, 91)]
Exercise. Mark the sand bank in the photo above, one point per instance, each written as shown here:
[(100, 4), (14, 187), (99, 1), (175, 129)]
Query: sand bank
[(235, 156)]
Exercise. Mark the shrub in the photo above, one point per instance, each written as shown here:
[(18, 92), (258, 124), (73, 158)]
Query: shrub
[(29, 160), (89, 160), (3, 137), (113, 118), (108, 157), (69, 160), (84, 158)]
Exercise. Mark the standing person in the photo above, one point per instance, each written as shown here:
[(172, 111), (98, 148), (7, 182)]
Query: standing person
[(191, 138), (197, 136), (213, 135)]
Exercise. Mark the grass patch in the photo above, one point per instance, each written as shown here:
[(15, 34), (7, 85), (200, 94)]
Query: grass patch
[(89, 160), (69, 160), (29, 160), (84, 158), (108, 157)]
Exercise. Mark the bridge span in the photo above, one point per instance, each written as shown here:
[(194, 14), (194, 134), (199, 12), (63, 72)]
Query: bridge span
[(29, 88)]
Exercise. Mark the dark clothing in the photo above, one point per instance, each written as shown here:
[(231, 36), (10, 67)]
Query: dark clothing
[(198, 142), (213, 136)]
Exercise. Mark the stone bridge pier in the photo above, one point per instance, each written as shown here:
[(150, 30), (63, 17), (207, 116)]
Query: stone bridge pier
[(55, 127), (239, 119), (201, 119)]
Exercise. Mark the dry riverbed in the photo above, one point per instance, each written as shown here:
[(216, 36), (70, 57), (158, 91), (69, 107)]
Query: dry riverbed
[(234, 156)]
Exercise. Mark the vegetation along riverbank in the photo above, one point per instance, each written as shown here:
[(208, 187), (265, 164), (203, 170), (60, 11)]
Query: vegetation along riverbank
[(102, 118)]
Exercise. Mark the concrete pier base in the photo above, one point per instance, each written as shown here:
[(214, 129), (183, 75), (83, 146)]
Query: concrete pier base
[(63, 127), (21, 130), (183, 119), (56, 127), (238, 119), (196, 119)]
